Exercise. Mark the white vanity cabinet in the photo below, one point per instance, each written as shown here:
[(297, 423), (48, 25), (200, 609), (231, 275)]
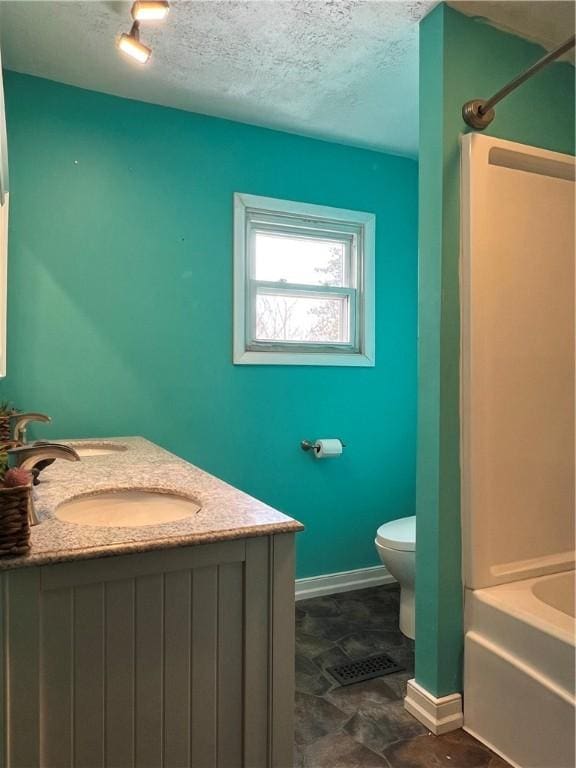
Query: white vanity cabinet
[(161, 659)]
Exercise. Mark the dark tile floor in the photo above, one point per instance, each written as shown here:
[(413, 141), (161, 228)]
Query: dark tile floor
[(365, 725)]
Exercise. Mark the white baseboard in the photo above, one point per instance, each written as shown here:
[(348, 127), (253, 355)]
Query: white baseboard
[(439, 715), (345, 581)]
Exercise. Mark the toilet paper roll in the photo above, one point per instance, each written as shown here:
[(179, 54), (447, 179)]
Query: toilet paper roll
[(328, 448)]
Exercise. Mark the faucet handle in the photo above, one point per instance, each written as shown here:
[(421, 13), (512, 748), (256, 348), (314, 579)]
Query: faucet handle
[(28, 456), (35, 458), (21, 421)]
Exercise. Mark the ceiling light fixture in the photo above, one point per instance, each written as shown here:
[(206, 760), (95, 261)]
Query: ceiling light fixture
[(146, 10), (130, 45)]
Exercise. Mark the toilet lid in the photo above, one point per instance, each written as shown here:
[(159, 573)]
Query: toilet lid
[(398, 534)]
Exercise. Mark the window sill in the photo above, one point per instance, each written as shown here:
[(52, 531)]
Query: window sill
[(355, 359)]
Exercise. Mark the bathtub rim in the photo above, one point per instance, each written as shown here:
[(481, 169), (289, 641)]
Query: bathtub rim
[(517, 599)]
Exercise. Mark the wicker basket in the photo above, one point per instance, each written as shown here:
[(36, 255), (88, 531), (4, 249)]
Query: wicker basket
[(6, 427), (14, 522)]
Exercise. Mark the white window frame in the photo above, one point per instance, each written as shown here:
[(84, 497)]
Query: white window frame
[(356, 226)]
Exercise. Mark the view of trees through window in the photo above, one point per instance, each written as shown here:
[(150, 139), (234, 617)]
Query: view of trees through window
[(307, 318)]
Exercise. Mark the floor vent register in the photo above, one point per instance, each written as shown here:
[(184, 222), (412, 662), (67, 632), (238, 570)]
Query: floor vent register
[(364, 669)]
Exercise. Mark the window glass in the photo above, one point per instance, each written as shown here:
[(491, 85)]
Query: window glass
[(302, 260), (285, 317)]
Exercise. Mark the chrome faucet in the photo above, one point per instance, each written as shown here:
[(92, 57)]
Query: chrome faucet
[(31, 457), (21, 421)]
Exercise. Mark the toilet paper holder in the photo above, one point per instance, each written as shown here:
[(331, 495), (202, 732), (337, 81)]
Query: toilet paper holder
[(310, 445)]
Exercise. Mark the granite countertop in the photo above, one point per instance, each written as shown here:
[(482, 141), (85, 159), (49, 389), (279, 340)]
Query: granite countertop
[(225, 512)]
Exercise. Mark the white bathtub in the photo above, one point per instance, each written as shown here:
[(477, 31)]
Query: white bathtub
[(519, 672)]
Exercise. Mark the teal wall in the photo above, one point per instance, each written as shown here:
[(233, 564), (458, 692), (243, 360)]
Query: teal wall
[(120, 298), (460, 58)]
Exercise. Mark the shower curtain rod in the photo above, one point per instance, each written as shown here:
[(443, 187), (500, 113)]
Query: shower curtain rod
[(479, 113)]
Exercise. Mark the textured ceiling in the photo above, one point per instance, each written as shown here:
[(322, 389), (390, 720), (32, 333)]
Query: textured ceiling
[(342, 70)]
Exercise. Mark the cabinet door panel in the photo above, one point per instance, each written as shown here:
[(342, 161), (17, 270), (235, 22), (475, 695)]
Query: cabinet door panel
[(149, 690), (204, 666), (256, 661), (108, 664), (56, 678), (178, 610), (23, 652), (89, 675), (230, 639), (119, 674)]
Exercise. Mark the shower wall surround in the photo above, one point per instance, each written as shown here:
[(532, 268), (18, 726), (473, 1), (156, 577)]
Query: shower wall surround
[(460, 58), (120, 305)]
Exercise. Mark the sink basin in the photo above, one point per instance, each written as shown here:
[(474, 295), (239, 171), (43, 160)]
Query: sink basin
[(96, 447), (127, 508)]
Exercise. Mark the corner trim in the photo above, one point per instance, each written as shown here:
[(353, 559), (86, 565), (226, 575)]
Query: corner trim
[(439, 715), (345, 581)]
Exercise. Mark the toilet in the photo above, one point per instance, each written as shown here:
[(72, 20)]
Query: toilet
[(396, 545)]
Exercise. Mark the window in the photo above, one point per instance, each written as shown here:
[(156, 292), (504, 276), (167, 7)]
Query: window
[(303, 284)]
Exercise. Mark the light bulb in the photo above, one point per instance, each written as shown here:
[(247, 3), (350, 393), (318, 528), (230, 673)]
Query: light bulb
[(146, 10), (131, 45)]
